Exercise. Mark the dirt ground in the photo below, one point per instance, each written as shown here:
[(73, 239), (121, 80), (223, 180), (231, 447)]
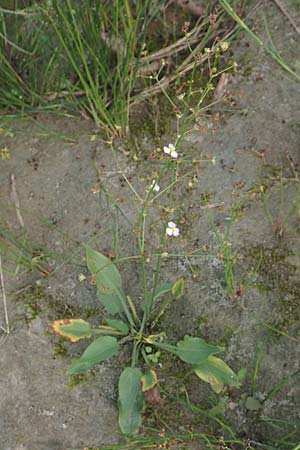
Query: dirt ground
[(58, 169)]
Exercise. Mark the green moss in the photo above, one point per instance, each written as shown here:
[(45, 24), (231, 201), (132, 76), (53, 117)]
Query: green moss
[(226, 337), (59, 349), (289, 310), (31, 299), (277, 275), (36, 300), (151, 121), (247, 71), (274, 269), (75, 380), (33, 309), (202, 321)]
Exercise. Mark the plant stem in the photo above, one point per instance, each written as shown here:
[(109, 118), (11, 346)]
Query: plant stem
[(147, 312), (135, 352)]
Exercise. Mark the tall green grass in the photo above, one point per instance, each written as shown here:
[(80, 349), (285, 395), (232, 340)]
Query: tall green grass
[(96, 57), (102, 43), (15, 54), (72, 54)]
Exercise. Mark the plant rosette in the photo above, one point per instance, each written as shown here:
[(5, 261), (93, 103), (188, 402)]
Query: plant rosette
[(123, 325)]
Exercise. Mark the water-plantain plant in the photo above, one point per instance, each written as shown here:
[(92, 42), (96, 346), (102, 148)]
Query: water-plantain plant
[(138, 382)]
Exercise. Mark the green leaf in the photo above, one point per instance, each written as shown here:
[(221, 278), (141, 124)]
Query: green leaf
[(108, 280), (131, 400), (149, 380), (178, 288), (153, 295), (252, 404), (118, 325), (216, 372), (111, 302), (99, 350), (194, 350), (104, 270), (72, 329), (78, 367)]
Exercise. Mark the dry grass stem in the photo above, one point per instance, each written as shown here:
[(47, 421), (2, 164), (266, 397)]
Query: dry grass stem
[(185, 67), (6, 328), (15, 199), (293, 167)]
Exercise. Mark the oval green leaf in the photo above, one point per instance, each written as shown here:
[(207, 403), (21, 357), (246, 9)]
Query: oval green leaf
[(108, 280), (99, 350), (131, 400), (72, 329), (194, 350), (253, 404), (217, 373), (111, 302)]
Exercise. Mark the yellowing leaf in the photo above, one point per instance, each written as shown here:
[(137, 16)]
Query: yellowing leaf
[(178, 288), (154, 337), (149, 380), (72, 329), (217, 373)]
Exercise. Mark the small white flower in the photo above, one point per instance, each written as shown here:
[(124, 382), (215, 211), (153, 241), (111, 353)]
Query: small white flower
[(172, 229), (154, 186), (170, 150), (81, 277), (224, 46)]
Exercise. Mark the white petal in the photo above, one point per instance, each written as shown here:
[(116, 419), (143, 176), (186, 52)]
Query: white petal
[(156, 188), (167, 150), (171, 225), (171, 147), (169, 231), (176, 232), (174, 154)]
